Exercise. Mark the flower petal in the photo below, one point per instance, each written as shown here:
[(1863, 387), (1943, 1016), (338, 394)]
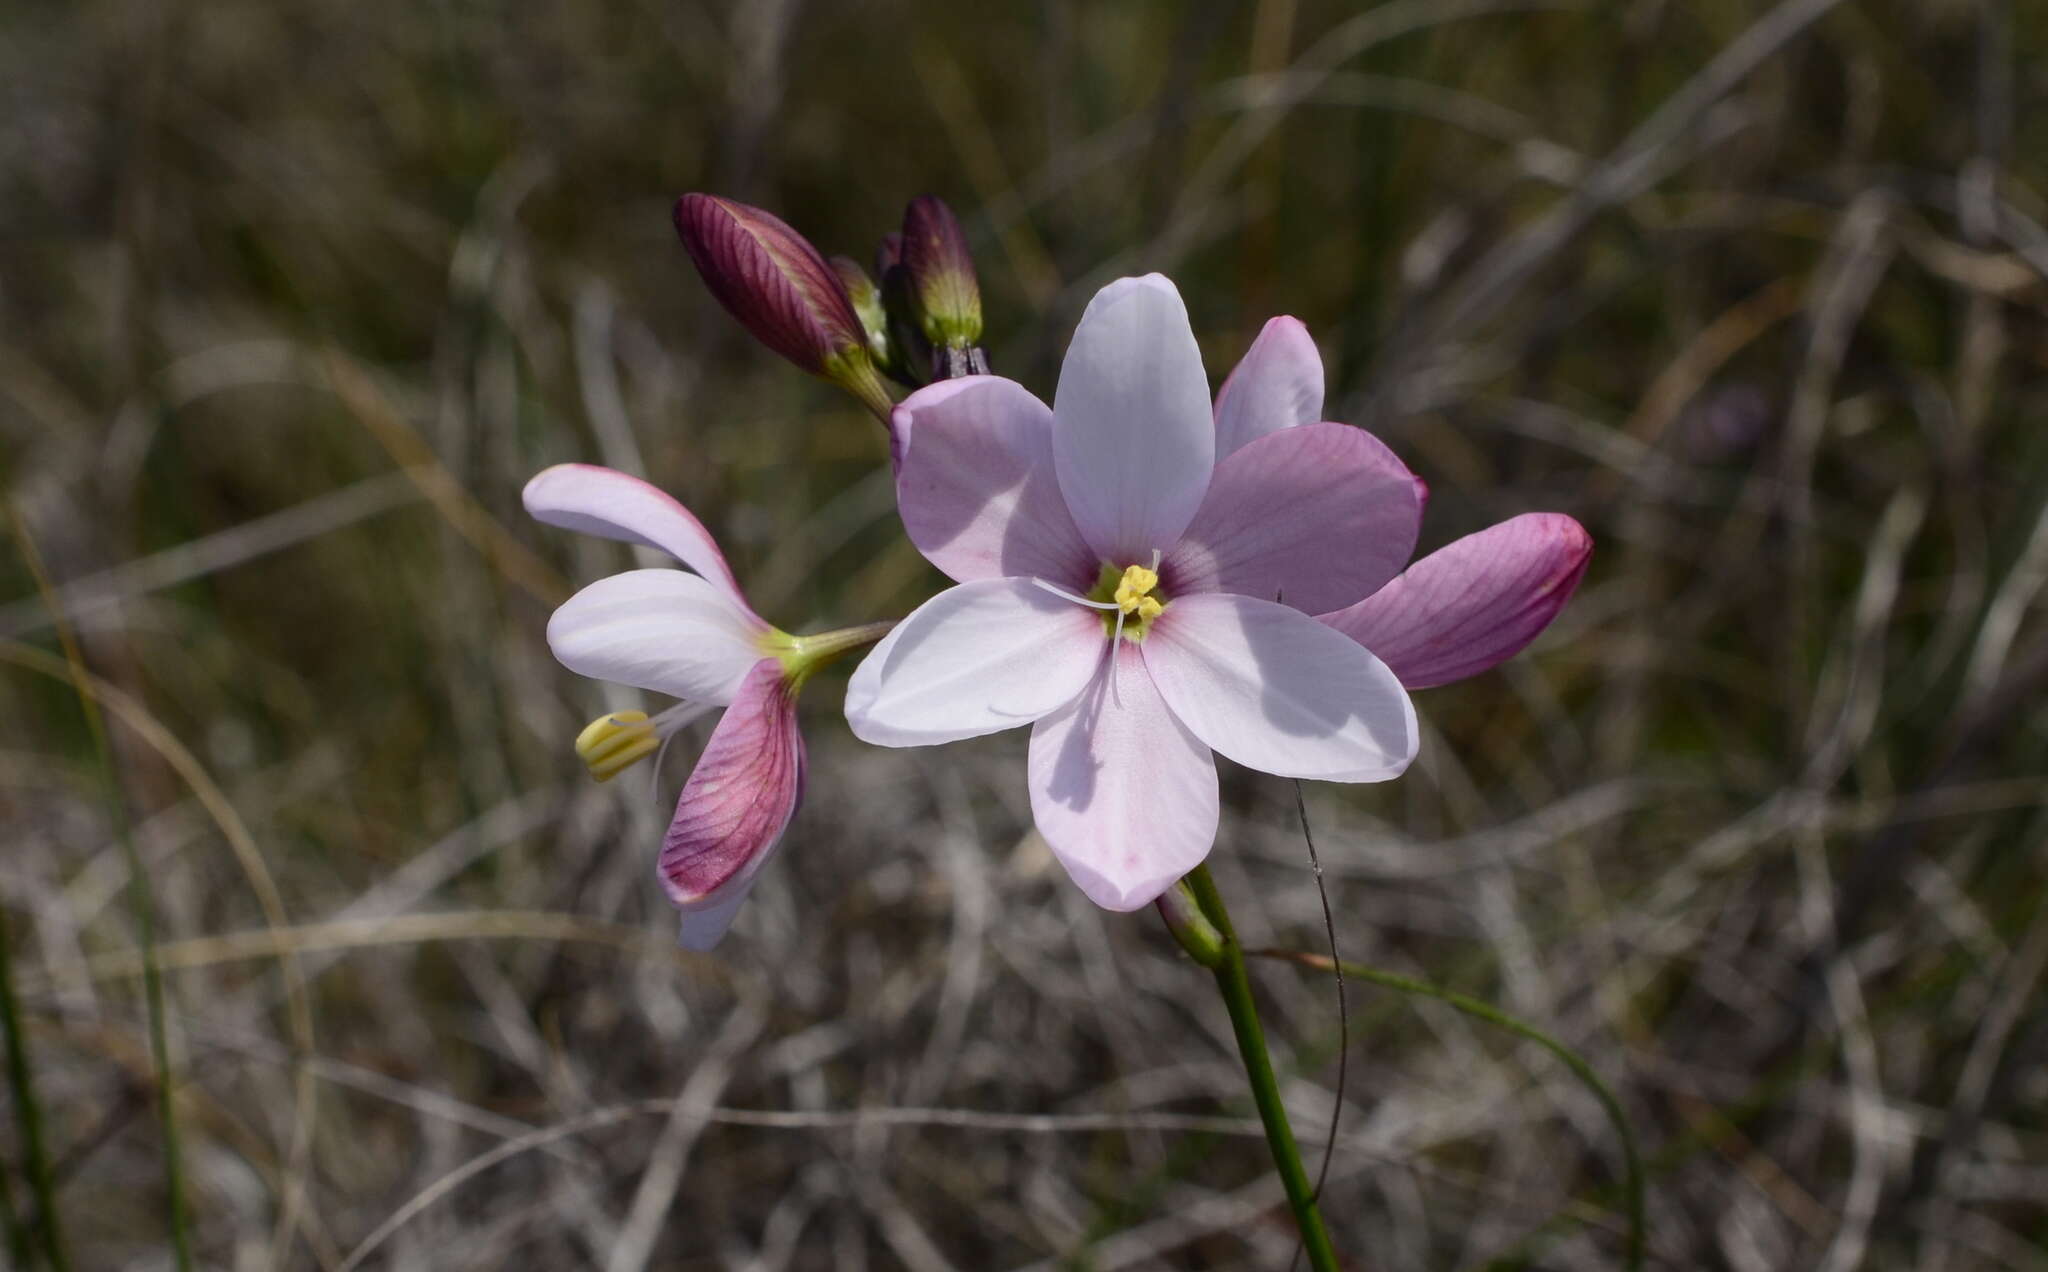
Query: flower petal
[(1124, 795), (1315, 517), (1264, 684), (1278, 384), (665, 630), (1474, 603), (976, 486), (975, 659), (706, 924), (613, 505), (1132, 434), (734, 808)]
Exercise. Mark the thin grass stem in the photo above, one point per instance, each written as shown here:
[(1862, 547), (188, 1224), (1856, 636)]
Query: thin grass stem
[(142, 901), (1632, 1182)]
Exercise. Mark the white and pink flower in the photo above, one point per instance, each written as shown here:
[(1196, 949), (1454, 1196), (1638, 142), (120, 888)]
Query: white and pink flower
[(693, 637), (1139, 576)]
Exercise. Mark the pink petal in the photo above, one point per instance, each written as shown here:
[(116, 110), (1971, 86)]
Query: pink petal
[(1124, 795), (975, 659), (1132, 434), (976, 486), (1265, 685), (1278, 384), (735, 806), (612, 505), (1315, 516), (1477, 602), (665, 630)]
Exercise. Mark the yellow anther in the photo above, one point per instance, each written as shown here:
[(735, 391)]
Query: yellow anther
[(611, 743), (1134, 592)]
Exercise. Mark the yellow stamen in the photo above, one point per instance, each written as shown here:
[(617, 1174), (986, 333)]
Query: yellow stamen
[(1134, 592), (611, 743)]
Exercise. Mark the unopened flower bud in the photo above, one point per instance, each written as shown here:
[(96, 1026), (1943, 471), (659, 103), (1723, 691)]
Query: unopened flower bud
[(774, 282), (612, 743), (910, 354), (867, 304), (941, 274), (1190, 927)]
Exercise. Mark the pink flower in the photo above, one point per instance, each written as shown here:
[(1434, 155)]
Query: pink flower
[(1118, 559), (694, 638)]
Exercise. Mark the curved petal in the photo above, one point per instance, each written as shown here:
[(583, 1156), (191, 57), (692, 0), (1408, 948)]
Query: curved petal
[(975, 659), (1124, 795), (1277, 384), (734, 808), (1266, 686), (1133, 439), (704, 925), (1473, 603), (1315, 517), (976, 486), (613, 505), (665, 630)]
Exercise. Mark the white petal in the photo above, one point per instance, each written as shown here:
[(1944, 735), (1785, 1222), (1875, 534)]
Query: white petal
[(1133, 435), (1267, 686), (1124, 795), (614, 505), (1278, 384), (703, 928), (665, 630), (975, 659)]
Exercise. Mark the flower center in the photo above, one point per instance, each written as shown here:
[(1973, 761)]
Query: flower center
[(1125, 598), (1129, 599), (1134, 592)]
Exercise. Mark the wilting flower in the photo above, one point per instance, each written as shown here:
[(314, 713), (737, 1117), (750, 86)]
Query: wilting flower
[(776, 284), (1137, 576), (693, 637)]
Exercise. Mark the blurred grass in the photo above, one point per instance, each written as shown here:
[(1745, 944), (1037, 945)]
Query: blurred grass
[(1759, 827)]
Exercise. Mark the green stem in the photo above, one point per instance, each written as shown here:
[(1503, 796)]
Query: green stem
[(1236, 988), (21, 1084), (1632, 1182), (144, 904)]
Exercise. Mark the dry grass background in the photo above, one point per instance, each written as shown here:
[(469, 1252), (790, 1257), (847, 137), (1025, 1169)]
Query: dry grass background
[(296, 295)]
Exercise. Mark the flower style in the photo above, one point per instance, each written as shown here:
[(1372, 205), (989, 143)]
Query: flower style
[(693, 637), (1146, 580)]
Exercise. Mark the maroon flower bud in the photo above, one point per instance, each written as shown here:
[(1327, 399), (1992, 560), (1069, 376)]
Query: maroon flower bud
[(778, 287), (889, 255), (941, 274), (910, 354)]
